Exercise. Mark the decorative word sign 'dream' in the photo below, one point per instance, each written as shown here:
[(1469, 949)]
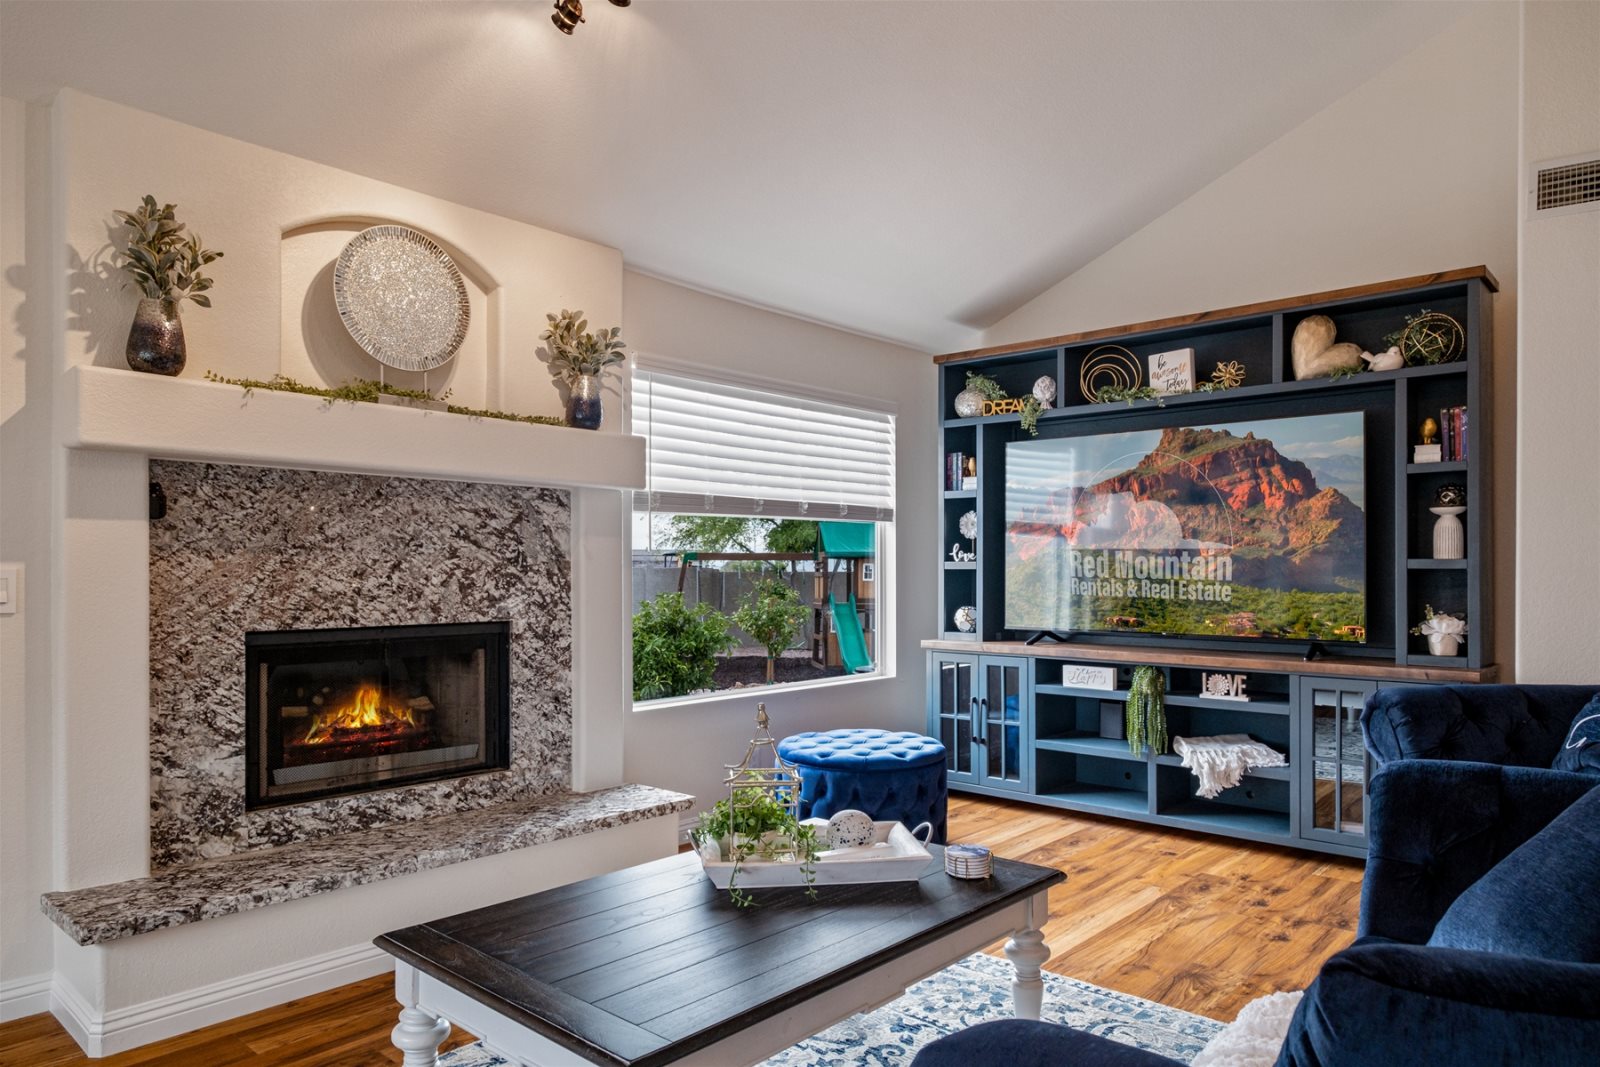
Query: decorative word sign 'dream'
[(1172, 372), (1080, 677)]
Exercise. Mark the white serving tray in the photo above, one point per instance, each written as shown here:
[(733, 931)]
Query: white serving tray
[(895, 855)]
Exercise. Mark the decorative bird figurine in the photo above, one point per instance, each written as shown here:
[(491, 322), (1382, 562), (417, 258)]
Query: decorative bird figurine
[(1390, 360)]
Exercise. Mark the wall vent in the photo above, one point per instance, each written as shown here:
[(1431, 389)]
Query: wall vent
[(1559, 186)]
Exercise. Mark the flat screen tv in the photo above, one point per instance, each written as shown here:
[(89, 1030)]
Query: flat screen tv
[(1247, 529)]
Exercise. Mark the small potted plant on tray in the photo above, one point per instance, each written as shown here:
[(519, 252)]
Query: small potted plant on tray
[(752, 824)]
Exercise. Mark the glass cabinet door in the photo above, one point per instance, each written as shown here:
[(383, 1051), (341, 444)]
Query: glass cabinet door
[(954, 711), (1334, 807), (1003, 708)]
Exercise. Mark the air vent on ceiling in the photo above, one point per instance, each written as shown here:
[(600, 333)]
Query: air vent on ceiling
[(1563, 185)]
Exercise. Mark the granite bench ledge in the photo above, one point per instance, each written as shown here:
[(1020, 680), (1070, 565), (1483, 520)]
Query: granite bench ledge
[(196, 892)]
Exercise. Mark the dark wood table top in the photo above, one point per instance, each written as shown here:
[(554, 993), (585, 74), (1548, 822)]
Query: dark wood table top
[(645, 965)]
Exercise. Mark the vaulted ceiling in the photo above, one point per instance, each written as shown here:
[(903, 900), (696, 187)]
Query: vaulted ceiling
[(908, 170)]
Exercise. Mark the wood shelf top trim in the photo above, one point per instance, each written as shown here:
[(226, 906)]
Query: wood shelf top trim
[(1279, 662), (1201, 318)]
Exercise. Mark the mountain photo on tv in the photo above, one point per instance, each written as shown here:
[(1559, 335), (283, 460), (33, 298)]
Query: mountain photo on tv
[(1249, 529)]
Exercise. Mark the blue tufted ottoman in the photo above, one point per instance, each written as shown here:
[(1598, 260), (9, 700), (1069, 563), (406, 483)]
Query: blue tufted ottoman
[(887, 774)]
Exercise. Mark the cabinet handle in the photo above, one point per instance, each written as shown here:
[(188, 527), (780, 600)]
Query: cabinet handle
[(977, 729)]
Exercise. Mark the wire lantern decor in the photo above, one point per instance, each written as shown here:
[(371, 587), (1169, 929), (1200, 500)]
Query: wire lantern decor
[(761, 779)]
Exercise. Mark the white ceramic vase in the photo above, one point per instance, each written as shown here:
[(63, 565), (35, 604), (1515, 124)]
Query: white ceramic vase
[(1443, 644), (1449, 536)]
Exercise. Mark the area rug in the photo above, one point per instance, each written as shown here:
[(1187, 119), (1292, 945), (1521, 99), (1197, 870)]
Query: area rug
[(964, 994)]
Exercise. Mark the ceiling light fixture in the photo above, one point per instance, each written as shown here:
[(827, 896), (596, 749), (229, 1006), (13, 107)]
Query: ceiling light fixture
[(570, 12)]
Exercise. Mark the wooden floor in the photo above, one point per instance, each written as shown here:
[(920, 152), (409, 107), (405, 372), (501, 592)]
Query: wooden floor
[(1194, 922)]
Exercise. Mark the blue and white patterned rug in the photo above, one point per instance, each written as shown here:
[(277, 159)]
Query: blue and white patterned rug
[(973, 991)]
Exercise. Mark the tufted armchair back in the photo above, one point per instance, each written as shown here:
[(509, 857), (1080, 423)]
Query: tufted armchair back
[(1512, 725)]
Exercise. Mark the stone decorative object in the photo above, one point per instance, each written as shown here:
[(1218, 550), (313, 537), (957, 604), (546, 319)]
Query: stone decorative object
[(849, 829), (155, 341), (1450, 495), (401, 297), (966, 618), (969, 404), (1389, 359), (1314, 354), (251, 548), (1449, 536), (1044, 391)]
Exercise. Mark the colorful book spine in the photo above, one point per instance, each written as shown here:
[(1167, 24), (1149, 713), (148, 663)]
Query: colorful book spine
[(1453, 433)]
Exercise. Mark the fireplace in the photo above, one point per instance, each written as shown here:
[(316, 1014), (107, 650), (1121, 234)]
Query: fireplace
[(332, 712)]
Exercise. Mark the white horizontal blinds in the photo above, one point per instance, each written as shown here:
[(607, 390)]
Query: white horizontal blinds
[(723, 449)]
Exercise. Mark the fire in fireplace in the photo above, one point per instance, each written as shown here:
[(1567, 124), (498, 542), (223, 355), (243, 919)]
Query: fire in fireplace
[(330, 712)]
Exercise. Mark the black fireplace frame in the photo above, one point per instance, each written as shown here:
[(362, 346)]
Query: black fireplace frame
[(496, 744)]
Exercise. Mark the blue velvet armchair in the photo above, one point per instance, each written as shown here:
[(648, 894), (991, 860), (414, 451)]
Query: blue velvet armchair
[(1457, 854), (1512, 725)]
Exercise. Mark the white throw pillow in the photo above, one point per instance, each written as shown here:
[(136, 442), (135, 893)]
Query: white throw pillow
[(1255, 1038)]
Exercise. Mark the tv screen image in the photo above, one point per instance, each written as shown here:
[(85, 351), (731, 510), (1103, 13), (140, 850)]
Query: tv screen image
[(1247, 529)]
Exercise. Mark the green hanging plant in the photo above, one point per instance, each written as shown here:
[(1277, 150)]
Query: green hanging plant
[(1147, 711)]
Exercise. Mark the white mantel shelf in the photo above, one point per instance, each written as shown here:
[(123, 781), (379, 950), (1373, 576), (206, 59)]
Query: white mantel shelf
[(192, 419)]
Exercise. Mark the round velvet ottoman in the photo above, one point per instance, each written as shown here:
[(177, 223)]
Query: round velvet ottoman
[(888, 775)]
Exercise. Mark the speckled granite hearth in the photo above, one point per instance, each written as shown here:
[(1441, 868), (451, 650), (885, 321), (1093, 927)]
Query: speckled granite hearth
[(261, 878)]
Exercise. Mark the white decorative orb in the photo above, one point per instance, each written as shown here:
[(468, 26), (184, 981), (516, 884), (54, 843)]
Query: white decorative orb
[(966, 618), (849, 829), (968, 525), (1044, 391)]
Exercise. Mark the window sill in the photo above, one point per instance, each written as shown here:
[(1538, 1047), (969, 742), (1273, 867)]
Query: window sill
[(765, 692)]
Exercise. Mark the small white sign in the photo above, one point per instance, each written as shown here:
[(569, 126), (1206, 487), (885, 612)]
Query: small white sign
[(1077, 676), (1172, 372), (1223, 686)]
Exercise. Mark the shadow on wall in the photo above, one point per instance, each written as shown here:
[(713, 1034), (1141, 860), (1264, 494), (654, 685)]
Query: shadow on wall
[(100, 302)]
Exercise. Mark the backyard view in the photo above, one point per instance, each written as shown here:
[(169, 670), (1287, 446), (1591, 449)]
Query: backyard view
[(725, 602)]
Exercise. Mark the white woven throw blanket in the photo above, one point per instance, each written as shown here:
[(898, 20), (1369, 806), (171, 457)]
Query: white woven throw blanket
[(1221, 762)]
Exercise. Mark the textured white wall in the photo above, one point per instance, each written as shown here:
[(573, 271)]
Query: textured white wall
[(1412, 172), (1558, 391), (684, 746)]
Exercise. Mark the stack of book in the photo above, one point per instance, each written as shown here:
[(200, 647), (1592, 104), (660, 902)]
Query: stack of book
[(960, 471), (1452, 443)]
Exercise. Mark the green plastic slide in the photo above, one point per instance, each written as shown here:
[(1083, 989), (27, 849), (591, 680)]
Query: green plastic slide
[(852, 645)]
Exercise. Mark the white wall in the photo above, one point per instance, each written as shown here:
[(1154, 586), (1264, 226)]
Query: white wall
[(1558, 393), (1414, 171), (25, 767), (684, 745)]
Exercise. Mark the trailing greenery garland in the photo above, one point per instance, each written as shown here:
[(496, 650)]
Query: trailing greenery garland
[(1147, 711), (1107, 394), (366, 391)]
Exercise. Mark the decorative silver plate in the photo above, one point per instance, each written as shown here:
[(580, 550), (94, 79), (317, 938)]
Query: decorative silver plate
[(401, 297)]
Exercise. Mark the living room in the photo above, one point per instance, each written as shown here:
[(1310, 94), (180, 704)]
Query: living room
[(808, 223)]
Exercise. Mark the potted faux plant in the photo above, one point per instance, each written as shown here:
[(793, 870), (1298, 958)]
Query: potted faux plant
[(1146, 711), (773, 615), (1444, 632), (752, 824), (578, 357), (166, 265)]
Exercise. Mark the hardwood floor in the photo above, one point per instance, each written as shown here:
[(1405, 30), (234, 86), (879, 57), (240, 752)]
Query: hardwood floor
[(1195, 922)]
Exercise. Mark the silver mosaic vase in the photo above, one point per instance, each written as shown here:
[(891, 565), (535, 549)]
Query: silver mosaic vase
[(155, 343), (583, 407)]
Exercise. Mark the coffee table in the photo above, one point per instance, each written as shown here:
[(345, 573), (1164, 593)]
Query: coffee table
[(653, 965)]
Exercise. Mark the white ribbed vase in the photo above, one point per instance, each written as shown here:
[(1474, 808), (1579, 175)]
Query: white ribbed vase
[(1449, 536)]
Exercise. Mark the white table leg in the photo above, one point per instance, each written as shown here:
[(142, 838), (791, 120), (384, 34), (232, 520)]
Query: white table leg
[(1027, 952), (419, 1035)]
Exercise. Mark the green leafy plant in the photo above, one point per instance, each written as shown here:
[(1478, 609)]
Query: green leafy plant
[(366, 391), (990, 389), (574, 352), (1108, 394), (675, 647), (162, 261), (1146, 711), (755, 824), (772, 614), (1346, 373)]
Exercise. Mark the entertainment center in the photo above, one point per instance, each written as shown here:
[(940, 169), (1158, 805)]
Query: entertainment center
[(1274, 528)]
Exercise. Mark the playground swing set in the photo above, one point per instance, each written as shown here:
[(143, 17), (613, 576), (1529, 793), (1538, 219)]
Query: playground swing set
[(840, 630)]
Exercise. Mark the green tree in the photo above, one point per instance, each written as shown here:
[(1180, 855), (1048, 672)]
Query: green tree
[(717, 533), (792, 535), (675, 647), (773, 615)]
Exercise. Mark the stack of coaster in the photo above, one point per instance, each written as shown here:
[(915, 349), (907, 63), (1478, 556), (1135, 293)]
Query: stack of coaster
[(967, 861)]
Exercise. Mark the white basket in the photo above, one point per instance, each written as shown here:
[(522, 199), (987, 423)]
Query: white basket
[(895, 855)]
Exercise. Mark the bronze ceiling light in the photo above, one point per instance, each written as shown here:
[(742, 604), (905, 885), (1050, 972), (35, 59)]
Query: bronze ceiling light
[(570, 12)]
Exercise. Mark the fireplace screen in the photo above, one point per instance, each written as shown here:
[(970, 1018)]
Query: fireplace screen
[(345, 711)]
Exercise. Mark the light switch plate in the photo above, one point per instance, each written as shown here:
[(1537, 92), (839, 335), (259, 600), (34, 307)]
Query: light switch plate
[(10, 579)]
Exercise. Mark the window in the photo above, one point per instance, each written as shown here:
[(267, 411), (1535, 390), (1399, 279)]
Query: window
[(757, 538)]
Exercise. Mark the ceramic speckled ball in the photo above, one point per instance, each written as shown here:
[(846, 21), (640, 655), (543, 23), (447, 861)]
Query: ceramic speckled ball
[(849, 829)]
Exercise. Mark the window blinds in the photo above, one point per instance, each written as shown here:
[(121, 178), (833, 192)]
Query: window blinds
[(716, 448)]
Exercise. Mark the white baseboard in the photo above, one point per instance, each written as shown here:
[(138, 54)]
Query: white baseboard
[(21, 997), (155, 1020)]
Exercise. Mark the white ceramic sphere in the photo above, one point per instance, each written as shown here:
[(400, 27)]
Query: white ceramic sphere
[(849, 829)]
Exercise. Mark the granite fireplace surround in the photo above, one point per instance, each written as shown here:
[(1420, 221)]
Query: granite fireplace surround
[(251, 548)]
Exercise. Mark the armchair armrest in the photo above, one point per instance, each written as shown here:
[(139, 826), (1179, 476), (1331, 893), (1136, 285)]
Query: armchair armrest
[(1437, 826), (1386, 1003)]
